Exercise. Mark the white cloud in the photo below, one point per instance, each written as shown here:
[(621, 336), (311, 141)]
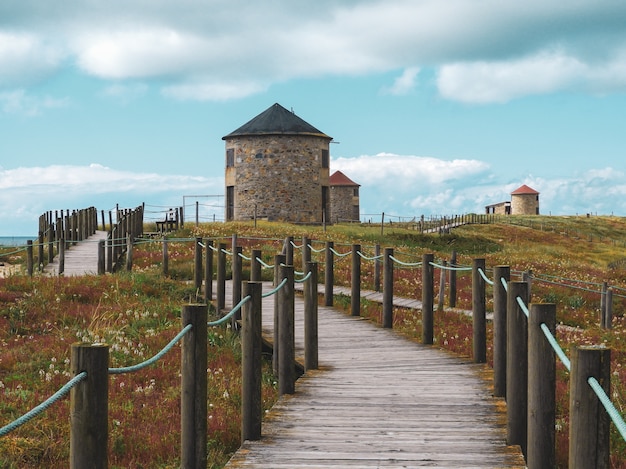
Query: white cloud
[(483, 50), (405, 83), (21, 103)]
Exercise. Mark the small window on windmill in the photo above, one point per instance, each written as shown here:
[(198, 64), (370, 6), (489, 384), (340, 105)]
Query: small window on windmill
[(230, 157)]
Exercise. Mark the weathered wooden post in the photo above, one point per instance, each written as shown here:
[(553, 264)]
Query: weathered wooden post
[(479, 312), (541, 387), (129, 254), (310, 318), (221, 277), (193, 394), (40, 254), (589, 421), (286, 346), (255, 266), (109, 255), (388, 288), (29, 257), (608, 310), (329, 274), (198, 272), (428, 272), (499, 329), (452, 292), (101, 260), (61, 257), (517, 366), (251, 348), (208, 272), (377, 265), (166, 258), (288, 250), (89, 407), (603, 290), (279, 260), (236, 285), (355, 295), (50, 244), (306, 251)]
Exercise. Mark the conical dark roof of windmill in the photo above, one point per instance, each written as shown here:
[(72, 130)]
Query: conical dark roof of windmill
[(276, 120)]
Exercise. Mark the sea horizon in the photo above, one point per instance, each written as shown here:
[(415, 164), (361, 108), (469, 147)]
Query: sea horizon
[(15, 240)]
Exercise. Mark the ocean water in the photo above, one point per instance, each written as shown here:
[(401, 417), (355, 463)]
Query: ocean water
[(15, 240)]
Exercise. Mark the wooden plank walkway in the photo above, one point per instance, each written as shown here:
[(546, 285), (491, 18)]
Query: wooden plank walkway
[(80, 259), (380, 401)]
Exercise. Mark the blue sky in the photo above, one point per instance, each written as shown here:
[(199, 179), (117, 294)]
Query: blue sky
[(435, 107)]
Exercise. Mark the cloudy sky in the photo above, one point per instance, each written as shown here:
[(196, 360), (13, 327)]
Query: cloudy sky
[(435, 107)]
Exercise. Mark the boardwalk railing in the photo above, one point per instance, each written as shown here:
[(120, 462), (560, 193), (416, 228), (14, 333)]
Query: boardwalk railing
[(524, 345)]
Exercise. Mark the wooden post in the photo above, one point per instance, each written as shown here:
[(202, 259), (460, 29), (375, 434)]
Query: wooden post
[(377, 266), (499, 329), (452, 293), (608, 311), (541, 387), (208, 272), (589, 421), (50, 244), (29, 258), (306, 252), (221, 277), (193, 393), (166, 258), (355, 295), (89, 407), (603, 290), (310, 318), (428, 272), (255, 266), (198, 272), (329, 274), (236, 286), (61, 257), (442, 286), (288, 251), (279, 260), (109, 255), (104, 226), (517, 366), (286, 346), (388, 288), (251, 348), (479, 312), (40, 259), (129, 254), (101, 260)]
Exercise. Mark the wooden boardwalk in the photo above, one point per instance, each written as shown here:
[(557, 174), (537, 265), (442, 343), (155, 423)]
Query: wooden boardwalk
[(380, 401), (80, 259), (377, 401)]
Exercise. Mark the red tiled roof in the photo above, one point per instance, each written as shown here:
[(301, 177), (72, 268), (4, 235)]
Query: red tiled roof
[(524, 190), (340, 179)]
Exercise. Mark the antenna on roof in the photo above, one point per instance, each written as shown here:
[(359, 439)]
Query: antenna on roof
[(292, 111)]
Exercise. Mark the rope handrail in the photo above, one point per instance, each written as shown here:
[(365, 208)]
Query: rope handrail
[(303, 279), (608, 405), (522, 305), (504, 284), (339, 254), (150, 361), (373, 258), (226, 252), (275, 290), (35, 411), (482, 274), (449, 267), (556, 347), (295, 245), (408, 264), (213, 248), (244, 257), (316, 250), (231, 313), (539, 279), (263, 264)]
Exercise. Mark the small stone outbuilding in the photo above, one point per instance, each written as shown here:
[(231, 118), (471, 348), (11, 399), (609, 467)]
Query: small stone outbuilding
[(524, 201), (277, 168), (344, 198)]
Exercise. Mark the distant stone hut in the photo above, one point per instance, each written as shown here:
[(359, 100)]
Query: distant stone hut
[(277, 168), (344, 198), (524, 201)]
